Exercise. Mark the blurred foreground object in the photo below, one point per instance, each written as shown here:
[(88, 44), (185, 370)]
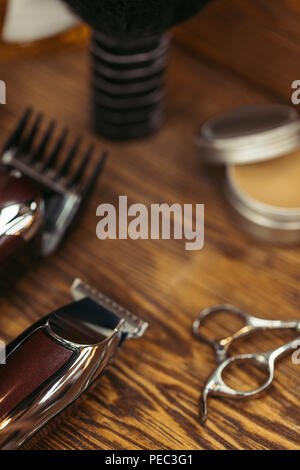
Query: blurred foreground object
[(129, 55), (31, 26), (56, 360), (256, 39)]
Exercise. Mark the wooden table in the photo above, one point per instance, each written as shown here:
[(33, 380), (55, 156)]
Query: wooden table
[(148, 399)]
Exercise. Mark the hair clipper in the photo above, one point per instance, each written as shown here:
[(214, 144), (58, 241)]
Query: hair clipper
[(52, 363)]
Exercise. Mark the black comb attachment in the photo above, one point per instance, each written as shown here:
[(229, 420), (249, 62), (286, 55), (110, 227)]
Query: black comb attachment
[(38, 154), (15, 137), (65, 173)]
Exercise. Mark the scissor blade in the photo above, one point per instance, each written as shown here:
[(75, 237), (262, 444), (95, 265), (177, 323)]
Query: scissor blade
[(203, 407)]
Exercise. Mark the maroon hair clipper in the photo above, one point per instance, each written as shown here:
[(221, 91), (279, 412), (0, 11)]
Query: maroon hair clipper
[(51, 364), (38, 194)]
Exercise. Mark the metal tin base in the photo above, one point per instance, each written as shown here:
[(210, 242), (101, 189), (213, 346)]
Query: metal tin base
[(267, 223)]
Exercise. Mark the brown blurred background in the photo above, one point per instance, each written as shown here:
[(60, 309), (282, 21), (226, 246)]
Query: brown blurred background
[(257, 39), (235, 52)]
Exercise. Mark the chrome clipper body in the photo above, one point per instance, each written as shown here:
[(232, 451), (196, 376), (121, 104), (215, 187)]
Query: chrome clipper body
[(38, 192), (52, 363)]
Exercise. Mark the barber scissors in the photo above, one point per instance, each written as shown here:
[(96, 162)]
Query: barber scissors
[(215, 385)]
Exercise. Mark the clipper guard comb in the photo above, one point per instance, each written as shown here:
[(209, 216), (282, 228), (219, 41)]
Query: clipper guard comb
[(40, 190)]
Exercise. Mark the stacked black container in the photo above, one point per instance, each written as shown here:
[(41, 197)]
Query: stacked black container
[(128, 85), (129, 56)]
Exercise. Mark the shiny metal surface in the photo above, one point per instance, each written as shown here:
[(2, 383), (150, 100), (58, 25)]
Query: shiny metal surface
[(215, 385), (64, 189), (21, 219), (249, 134), (87, 363), (134, 327), (267, 223), (246, 135)]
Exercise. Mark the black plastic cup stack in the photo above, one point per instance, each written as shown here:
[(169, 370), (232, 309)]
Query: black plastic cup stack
[(128, 83), (129, 51)]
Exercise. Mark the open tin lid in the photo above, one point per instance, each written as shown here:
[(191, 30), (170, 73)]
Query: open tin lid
[(249, 134), (252, 134)]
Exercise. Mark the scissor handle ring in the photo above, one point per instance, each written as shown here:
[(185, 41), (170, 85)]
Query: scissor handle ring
[(222, 389), (210, 311)]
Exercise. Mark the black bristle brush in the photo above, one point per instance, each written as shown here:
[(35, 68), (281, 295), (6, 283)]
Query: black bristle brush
[(129, 55)]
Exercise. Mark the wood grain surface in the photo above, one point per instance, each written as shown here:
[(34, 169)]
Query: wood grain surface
[(148, 399), (257, 39)]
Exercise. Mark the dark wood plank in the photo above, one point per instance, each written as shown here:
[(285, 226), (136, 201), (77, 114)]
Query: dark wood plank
[(149, 397), (257, 39)]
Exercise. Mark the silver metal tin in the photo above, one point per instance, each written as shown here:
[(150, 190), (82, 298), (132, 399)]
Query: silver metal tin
[(247, 135), (265, 222)]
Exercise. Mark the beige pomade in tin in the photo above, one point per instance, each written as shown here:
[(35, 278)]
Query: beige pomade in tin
[(260, 147)]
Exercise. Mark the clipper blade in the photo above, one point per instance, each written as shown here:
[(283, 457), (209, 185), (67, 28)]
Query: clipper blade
[(134, 327)]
